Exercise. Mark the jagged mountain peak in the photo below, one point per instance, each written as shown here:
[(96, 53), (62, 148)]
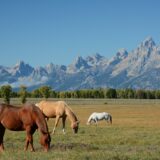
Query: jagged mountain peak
[(95, 59), (97, 56), (20, 63), (21, 69), (50, 65), (51, 68), (140, 60), (80, 61), (122, 53), (145, 49), (78, 64), (138, 68), (148, 42)]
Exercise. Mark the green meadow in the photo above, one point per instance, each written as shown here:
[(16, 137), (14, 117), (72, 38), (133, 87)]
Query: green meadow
[(134, 134)]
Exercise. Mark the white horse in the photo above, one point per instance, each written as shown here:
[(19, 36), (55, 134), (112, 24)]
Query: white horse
[(95, 117)]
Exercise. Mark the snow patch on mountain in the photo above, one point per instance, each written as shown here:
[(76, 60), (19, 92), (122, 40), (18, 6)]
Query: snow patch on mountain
[(139, 68)]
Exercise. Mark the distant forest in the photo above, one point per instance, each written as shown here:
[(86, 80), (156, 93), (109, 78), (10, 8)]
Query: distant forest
[(7, 92)]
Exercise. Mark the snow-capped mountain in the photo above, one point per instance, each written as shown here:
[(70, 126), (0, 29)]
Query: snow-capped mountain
[(139, 68), (21, 69)]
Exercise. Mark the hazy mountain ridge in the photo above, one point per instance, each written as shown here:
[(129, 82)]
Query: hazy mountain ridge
[(139, 68)]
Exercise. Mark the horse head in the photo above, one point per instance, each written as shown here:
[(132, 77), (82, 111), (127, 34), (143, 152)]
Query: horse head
[(45, 141), (75, 126), (45, 138)]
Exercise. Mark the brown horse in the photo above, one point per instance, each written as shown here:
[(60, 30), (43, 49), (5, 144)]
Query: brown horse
[(59, 110), (27, 117)]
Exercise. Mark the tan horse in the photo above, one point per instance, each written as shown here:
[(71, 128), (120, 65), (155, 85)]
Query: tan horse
[(59, 110), (27, 117)]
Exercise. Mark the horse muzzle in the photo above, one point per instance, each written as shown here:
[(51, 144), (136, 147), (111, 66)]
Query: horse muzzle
[(75, 130)]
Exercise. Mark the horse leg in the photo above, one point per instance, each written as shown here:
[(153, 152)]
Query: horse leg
[(56, 123), (96, 121), (63, 123), (26, 144), (106, 119), (29, 139), (2, 131), (109, 119)]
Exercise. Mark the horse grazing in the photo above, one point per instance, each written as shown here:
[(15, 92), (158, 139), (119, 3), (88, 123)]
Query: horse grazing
[(59, 110), (95, 117), (29, 118)]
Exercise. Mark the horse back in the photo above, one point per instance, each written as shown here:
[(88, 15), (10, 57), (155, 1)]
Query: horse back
[(9, 117), (51, 109)]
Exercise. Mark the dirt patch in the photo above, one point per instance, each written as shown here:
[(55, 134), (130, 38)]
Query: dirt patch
[(75, 146)]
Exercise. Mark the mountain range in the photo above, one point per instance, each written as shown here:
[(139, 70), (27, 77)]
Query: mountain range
[(138, 69)]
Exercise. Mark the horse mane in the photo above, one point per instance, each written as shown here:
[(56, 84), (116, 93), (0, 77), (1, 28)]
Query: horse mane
[(70, 113), (41, 122), (89, 119)]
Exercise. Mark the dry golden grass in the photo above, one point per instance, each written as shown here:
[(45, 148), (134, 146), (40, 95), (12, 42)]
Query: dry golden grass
[(123, 115), (134, 134)]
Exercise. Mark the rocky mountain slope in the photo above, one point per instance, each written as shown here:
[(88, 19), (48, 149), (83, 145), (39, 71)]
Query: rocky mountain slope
[(139, 68)]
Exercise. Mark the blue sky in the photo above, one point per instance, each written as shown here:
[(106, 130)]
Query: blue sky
[(43, 31)]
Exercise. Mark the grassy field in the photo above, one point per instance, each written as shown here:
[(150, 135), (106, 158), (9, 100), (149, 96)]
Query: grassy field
[(134, 134)]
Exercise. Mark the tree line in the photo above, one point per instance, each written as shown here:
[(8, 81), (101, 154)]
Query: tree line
[(6, 92)]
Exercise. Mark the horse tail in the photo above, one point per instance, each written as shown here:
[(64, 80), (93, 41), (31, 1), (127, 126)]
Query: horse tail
[(110, 119)]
